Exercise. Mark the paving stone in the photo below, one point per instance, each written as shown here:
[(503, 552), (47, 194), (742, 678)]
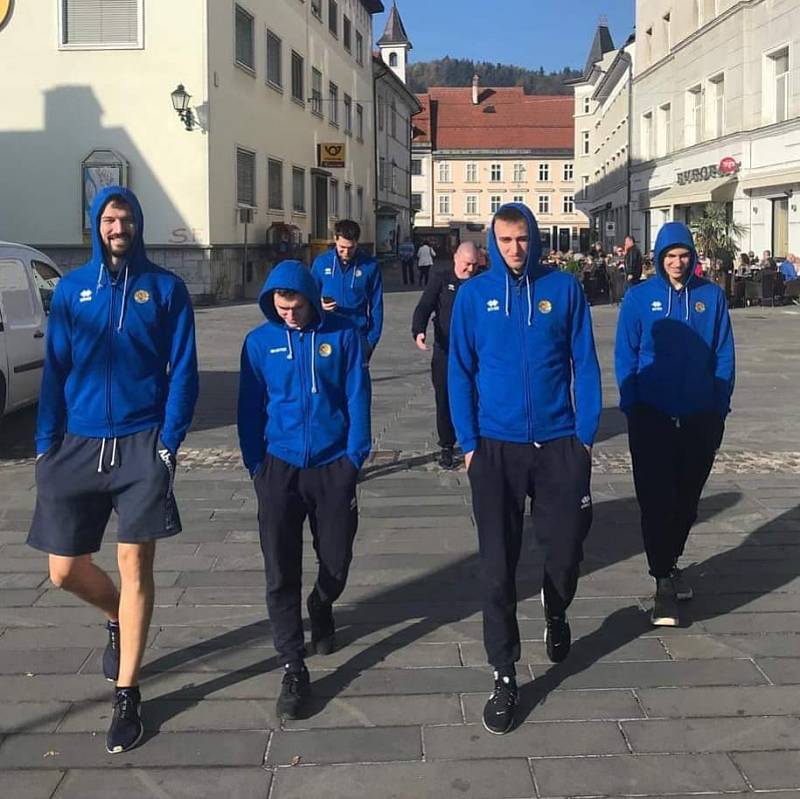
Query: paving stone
[(496, 779), (24, 784), (345, 745), (762, 700), (18, 597), (55, 597), (782, 671), (183, 783), (30, 716), (624, 775), (66, 635), (770, 770), (42, 661)]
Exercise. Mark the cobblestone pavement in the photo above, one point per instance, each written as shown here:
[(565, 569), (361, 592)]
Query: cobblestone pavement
[(711, 708)]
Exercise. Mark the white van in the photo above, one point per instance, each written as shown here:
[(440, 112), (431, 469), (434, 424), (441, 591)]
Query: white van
[(27, 281)]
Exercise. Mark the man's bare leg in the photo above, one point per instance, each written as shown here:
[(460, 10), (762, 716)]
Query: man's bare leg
[(84, 578), (137, 593)]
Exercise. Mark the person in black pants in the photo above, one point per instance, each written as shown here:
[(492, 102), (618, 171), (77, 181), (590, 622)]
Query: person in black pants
[(304, 431), (524, 384), (633, 263), (675, 369), (437, 300)]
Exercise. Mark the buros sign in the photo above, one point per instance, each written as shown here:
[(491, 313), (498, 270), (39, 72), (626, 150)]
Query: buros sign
[(727, 166)]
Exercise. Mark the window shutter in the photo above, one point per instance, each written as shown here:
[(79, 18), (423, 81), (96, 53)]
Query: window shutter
[(245, 178), (100, 22)]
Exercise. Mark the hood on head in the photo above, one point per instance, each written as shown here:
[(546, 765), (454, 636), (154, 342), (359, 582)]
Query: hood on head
[(673, 234), (291, 276), (136, 253), (496, 262)]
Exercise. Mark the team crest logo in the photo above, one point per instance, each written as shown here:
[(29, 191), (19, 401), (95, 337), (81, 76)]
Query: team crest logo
[(699, 307), (359, 273), (86, 295), (545, 306), (656, 305), (493, 305), (325, 349), (141, 296)]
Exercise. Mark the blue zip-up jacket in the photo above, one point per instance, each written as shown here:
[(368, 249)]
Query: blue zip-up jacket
[(304, 395), (674, 349), (120, 354), (522, 365), (357, 289)]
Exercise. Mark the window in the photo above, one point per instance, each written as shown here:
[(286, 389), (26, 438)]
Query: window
[(94, 23), (544, 172), (584, 184), (569, 171), (445, 174), (316, 92), (496, 173), (648, 151), (495, 201), (347, 33), (471, 204), (298, 78), (275, 184), (568, 204), (519, 173), (359, 122), (16, 294), (316, 8), (360, 202), (274, 49), (392, 59), (716, 108), (587, 104), (518, 198), (348, 201), (45, 278), (778, 64), (359, 49), (393, 119), (694, 115), (585, 142), (472, 173), (394, 177), (416, 201), (382, 174), (298, 190), (333, 101), (544, 203), (664, 130), (245, 177), (245, 43), (416, 166), (444, 203), (333, 17), (333, 200), (348, 114)]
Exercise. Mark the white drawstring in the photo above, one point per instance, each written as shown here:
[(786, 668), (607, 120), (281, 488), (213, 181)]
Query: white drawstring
[(507, 291), (100, 276), (124, 292), (103, 452), (114, 451), (100, 462), (289, 345), (687, 303), (530, 305), (669, 304), (313, 362)]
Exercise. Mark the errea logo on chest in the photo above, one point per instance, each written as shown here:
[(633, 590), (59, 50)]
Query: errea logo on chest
[(86, 295), (656, 305), (328, 270), (493, 305)]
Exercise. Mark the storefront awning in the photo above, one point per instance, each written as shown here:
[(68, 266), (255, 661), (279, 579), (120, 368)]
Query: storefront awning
[(717, 190), (768, 180)]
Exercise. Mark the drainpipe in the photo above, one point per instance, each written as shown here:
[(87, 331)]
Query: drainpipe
[(629, 62)]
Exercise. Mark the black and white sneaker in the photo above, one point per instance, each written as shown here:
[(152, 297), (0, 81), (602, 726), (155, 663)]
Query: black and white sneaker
[(126, 728), (295, 690), (683, 591), (111, 652), (323, 628), (446, 460), (665, 604), (557, 635), (498, 713)]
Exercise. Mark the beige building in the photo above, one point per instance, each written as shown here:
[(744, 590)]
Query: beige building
[(477, 148), (716, 117), (86, 97)]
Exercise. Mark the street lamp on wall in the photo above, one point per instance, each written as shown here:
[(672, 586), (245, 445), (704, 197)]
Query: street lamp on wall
[(180, 102)]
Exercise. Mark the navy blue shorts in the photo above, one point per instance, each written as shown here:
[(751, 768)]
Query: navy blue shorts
[(81, 480)]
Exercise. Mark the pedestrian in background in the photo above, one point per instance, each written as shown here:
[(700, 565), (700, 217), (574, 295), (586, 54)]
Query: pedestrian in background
[(406, 254), (425, 257)]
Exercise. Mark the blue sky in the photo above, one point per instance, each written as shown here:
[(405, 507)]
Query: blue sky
[(527, 33)]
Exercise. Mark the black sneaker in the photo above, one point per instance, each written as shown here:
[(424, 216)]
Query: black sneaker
[(557, 635), (295, 689), (126, 728), (323, 628), (665, 604), (498, 713), (683, 591), (111, 652), (446, 458)]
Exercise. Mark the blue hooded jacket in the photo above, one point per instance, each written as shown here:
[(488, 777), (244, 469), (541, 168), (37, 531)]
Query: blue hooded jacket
[(304, 395), (120, 354), (674, 349), (357, 289), (522, 366)]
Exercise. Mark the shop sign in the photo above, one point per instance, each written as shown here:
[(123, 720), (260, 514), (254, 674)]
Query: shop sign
[(726, 167), (331, 155)]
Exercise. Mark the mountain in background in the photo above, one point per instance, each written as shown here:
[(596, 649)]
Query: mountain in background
[(459, 71)]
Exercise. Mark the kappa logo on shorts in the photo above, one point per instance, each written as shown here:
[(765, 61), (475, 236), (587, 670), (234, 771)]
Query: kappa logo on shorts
[(656, 305), (86, 295), (586, 502), (451, 287), (493, 305), (353, 504)]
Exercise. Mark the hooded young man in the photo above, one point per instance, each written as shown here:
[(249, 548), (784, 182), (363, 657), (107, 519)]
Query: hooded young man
[(304, 431), (118, 393), (350, 283), (525, 398), (675, 370)]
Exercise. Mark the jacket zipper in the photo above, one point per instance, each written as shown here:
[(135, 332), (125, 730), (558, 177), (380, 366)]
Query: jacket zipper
[(110, 336), (304, 398), (528, 412)]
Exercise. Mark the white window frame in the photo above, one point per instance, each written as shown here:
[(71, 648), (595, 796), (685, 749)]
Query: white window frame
[(647, 130), (249, 151), (471, 172), (496, 169), (495, 201), (664, 130), (518, 198), (568, 204), (568, 171), (520, 173), (587, 105), (472, 204), (695, 112), (299, 170), (316, 93), (333, 198), (770, 84), (715, 107), (445, 172), (249, 68), (544, 172), (585, 142), (348, 200), (543, 203), (270, 207), (443, 204), (275, 84), (138, 45)]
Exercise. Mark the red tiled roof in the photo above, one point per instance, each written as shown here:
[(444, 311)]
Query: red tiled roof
[(503, 119)]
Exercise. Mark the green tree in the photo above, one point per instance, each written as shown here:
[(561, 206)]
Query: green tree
[(715, 234)]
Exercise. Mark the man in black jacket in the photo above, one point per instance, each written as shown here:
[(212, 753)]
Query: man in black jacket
[(633, 262), (437, 299)]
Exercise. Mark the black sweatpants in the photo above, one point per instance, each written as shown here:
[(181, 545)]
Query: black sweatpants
[(556, 475), (286, 496), (444, 422), (672, 459), (424, 274), (407, 266)]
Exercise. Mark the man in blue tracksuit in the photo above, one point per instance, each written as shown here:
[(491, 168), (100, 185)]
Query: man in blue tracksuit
[(350, 283), (675, 370), (525, 397), (118, 393), (304, 431)]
